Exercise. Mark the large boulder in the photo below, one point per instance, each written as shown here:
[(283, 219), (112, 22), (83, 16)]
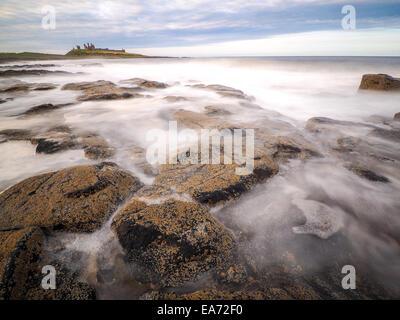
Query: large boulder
[(174, 241), (77, 199), (380, 82), (397, 116)]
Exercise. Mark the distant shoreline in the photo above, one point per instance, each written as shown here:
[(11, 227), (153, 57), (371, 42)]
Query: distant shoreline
[(34, 56)]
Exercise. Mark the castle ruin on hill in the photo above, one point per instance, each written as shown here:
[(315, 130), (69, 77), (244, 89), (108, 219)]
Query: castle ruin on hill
[(91, 47)]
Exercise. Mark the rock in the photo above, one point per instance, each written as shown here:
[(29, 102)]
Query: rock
[(368, 174), (30, 72), (213, 184), (2, 101), (68, 286), (216, 111), (24, 87), (86, 85), (54, 141), (138, 156), (217, 183), (223, 91), (145, 83), (15, 134), (380, 82), (94, 146), (322, 221), (173, 99), (77, 199), (61, 138), (397, 116), (43, 108), (44, 87), (21, 270), (393, 135), (321, 124), (25, 66), (101, 90), (173, 242), (20, 252)]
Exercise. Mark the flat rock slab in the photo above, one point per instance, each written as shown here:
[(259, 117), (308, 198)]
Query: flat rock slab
[(149, 84), (76, 199), (174, 241), (380, 82), (101, 90), (30, 72), (24, 87)]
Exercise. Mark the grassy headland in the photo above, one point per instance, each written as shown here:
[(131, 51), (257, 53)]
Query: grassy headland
[(73, 54), (103, 53)]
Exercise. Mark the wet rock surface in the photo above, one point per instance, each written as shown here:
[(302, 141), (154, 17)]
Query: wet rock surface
[(21, 263), (223, 91), (30, 72), (145, 83), (173, 245), (173, 241), (20, 86), (380, 82), (43, 108), (61, 138), (101, 90), (78, 199)]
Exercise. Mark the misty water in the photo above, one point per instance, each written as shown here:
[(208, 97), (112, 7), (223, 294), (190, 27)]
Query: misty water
[(282, 214)]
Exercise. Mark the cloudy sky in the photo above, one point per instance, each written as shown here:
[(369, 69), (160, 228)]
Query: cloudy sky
[(204, 27)]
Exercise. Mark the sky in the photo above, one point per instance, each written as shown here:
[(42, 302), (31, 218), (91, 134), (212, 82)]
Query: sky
[(204, 27)]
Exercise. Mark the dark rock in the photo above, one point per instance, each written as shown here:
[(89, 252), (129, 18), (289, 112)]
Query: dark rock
[(368, 174), (397, 116), (78, 199), (380, 82), (30, 72), (24, 87), (20, 252), (216, 111), (15, 134), (25, 66), (146, 83), (43, 108)]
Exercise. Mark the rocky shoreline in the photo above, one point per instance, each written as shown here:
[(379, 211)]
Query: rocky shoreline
[(172, 241)]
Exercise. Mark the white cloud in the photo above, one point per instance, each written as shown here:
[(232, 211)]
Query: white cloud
[(370, 42)]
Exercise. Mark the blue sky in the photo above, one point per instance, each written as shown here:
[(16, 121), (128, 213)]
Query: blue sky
[(184, 27)]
